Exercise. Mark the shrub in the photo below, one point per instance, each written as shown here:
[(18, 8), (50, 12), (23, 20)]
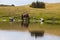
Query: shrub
[(12, 5)]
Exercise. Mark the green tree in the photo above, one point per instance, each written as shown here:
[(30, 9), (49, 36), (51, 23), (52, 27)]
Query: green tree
[(38, 4)]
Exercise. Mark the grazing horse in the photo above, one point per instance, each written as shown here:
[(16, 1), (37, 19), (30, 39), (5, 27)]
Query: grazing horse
[(25, 20), (25, 17)]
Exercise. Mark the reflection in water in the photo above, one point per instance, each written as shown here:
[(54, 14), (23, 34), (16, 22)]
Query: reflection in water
[(37, 33), (24, 23), (24, 35)]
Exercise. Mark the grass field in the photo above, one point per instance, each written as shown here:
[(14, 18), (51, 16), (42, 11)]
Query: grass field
[(51, 11)]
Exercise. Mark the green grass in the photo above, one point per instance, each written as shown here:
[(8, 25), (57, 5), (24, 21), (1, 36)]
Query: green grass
[(51, 10)]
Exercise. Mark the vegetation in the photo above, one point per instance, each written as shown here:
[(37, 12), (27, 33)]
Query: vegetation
[(51, 11), (38, 4), (6, 5), (12, 5)]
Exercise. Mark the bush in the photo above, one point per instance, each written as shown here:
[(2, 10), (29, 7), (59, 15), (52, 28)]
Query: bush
[(12, 5), (38, 4)]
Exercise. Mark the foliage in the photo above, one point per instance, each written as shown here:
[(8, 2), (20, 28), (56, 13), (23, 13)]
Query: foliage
[(12, 5), (38, 4)]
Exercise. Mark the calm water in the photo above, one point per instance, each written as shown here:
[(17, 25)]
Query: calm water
[(9, 31), (24, 35)]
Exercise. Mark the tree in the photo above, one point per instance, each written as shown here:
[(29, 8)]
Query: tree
[(12, 5), (38, 4)]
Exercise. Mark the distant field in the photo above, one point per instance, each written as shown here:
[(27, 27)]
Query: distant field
[(51, 11)]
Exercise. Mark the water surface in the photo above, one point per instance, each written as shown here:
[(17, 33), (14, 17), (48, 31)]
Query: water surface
[(24, 35)]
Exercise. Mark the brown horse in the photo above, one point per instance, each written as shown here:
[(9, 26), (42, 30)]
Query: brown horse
[(25, 16), (25, 20)]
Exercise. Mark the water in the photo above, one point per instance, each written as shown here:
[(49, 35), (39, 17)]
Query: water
[(24, 35), (22, 31)]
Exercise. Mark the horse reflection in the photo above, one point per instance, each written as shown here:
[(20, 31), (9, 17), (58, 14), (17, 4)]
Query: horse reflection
[(24, 24)]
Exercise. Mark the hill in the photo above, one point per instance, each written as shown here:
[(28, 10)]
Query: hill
[(51, 11)]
